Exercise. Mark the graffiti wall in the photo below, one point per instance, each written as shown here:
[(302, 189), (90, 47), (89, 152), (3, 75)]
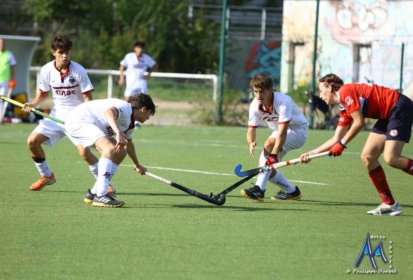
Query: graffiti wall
[(359, 40), (264, 58)]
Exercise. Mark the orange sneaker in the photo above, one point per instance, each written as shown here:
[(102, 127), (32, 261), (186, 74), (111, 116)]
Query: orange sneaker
[(42, 182), (111, 189)]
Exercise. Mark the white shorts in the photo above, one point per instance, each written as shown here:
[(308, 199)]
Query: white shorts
[(296, 138), (85, 133), (140, 86), (54, 131), (4, 88)]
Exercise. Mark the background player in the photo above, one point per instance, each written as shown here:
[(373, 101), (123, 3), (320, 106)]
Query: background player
[(7, 69), (137, 63), (289, 127), (394, 112)]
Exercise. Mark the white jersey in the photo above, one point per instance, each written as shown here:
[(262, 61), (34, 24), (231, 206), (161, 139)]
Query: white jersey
[(136, 68), (283, 110), (94, 112), (67, 88)]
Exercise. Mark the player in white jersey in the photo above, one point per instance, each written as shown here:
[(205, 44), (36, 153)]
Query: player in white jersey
[(94, 123), (137, 63), (70, 87), (290, 129)]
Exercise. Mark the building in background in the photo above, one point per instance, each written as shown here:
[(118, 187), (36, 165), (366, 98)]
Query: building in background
[(359, 40)]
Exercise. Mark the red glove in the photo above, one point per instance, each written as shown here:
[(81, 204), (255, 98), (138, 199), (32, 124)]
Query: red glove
[(273, 158), (12, 83), (337, 149)]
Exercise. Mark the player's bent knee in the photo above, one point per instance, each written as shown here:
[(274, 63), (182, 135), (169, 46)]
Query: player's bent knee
[(33, 141), (390, 160)]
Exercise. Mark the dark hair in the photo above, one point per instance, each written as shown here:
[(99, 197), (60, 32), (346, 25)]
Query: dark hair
[(61, 42), (333, 80), (261, 81), (143, 100), (139, 44)]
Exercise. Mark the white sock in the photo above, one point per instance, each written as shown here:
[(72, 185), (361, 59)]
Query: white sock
[(94, 169), (95, 188), (263, 176), (43, 168), (114, 169), (283, 183), (104, 168)]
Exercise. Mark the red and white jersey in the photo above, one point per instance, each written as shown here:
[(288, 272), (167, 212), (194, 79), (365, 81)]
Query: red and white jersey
[(283, 111), (375, 102), (67, 88), (94, 112), (136, 67)]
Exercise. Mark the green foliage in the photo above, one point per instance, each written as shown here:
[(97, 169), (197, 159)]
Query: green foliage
[(298, 94), (104, 31)]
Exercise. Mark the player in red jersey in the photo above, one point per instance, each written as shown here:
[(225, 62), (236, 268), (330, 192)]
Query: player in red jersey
[(394, 114)]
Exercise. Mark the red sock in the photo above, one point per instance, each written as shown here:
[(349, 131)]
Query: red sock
[(378, 178), (409, 167)]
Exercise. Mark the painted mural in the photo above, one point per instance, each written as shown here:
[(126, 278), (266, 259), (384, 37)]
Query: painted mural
[(264, 58), (378, 27)]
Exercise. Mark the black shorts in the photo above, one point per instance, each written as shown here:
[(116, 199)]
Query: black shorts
[(399, 124)]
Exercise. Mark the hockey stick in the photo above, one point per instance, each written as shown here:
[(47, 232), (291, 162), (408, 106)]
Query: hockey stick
[(232, 187), (14, 102), (214, 200), (258, 170), (4, 108)]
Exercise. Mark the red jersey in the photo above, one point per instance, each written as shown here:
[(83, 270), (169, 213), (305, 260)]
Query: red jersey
[(375, 102)]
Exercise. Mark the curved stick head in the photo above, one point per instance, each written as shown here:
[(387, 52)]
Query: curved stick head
[(237, 169), (221, 200)]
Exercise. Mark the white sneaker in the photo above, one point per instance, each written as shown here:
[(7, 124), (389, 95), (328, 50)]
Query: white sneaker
[(387, 210)]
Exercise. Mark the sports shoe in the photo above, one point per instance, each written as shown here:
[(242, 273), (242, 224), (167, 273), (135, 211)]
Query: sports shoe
[(43, 182), (254, 193), (111, 189), (283, 195), (387, 210), (89, 197), (106, 201)]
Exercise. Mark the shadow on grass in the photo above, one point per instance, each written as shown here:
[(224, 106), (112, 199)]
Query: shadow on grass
[(241, 208), (154, 194), (344, 203)]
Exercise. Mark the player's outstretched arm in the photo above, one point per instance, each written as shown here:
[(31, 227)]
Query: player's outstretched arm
[(251, 138), (338, 135), (130, 148), (37, 101)]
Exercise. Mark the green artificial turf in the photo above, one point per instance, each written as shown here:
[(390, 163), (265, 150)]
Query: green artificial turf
[(163, 233)]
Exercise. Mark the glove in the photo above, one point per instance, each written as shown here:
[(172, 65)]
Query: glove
[(273, 158), (12, 83), (337, 149)]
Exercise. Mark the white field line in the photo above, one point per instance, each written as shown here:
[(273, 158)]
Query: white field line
[(214, 173)]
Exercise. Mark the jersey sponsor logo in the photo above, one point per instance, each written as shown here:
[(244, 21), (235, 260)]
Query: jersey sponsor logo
[(394, 132), (72, 80), (65, 92), (348, 100), (271, 119)]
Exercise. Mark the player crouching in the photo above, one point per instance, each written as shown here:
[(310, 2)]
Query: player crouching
[(94, 123)]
